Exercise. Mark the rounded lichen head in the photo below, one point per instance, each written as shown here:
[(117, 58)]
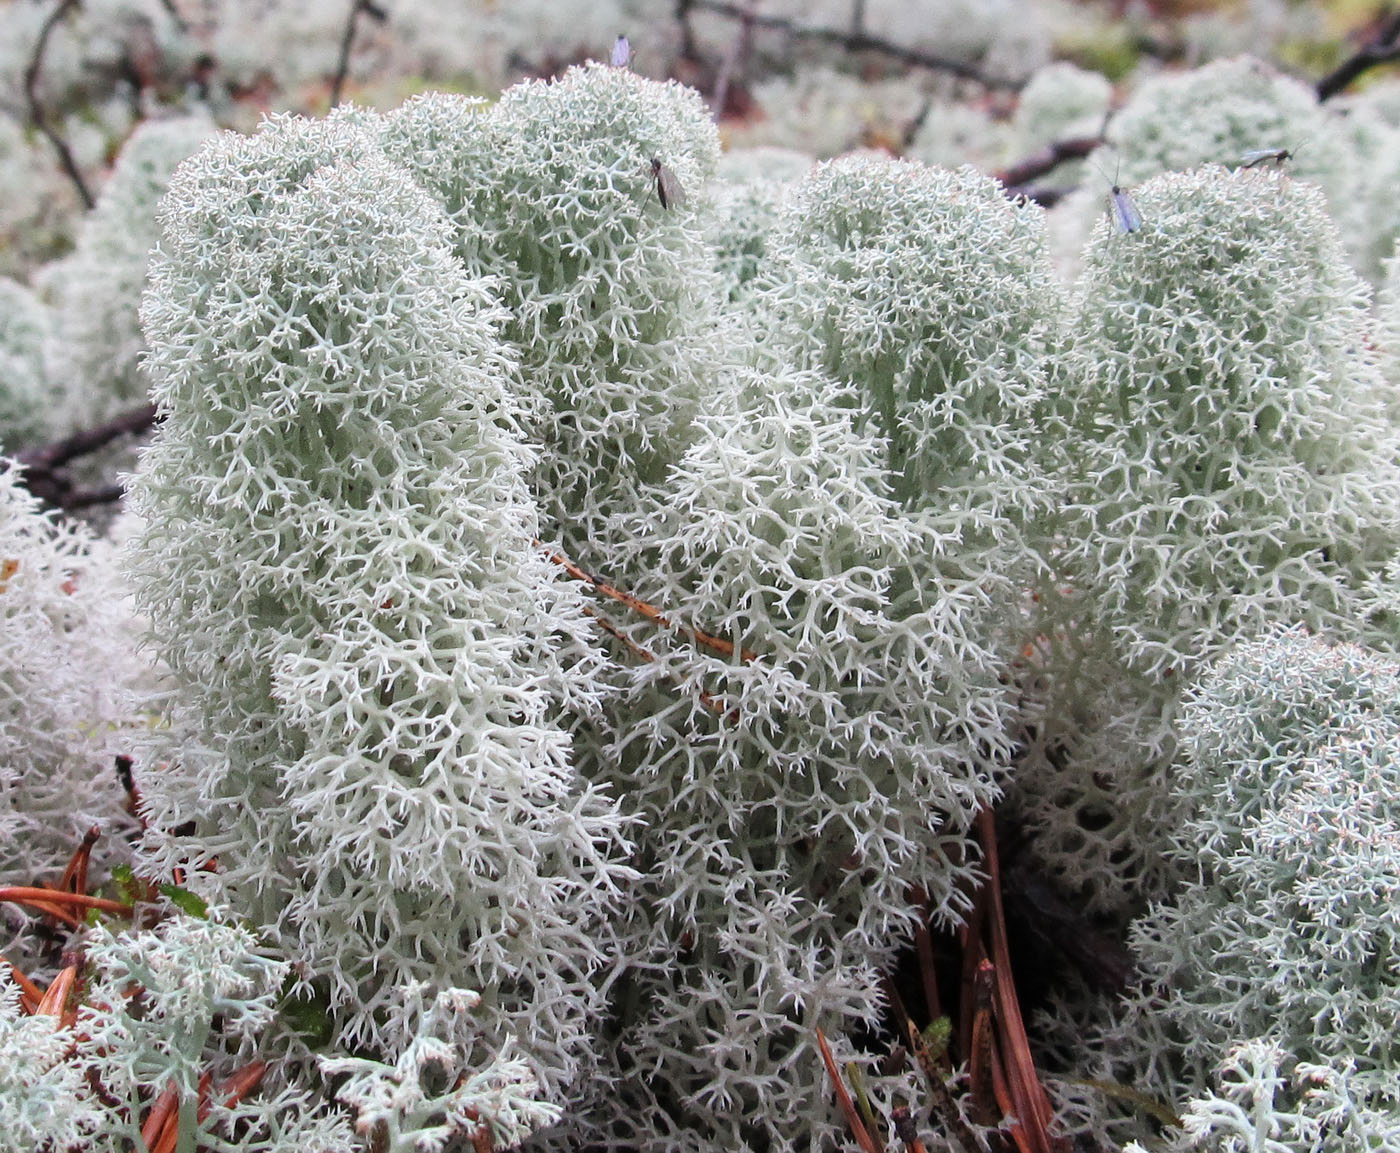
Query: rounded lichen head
[(367, 653), (1230, 462), (933, 295), (611, 294), (1287, 924)]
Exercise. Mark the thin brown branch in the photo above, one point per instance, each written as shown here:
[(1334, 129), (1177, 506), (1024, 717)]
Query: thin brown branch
[(1047, 160), (37, 116), (347, 39), (859, 41), (36, 896), (934, 1071), (646, 656), (1382, 48), (74, 879), (54, 1002), (843, 1098), (43, 464), (88, 440), (737, 51), (636, 604), (982, 1049), (1027, 1098), (30, 995)]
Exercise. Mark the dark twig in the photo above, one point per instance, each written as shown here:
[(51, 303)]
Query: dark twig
[(736, 52), (181, 24), (688, 48), (76, 498), (912, 129), (1382, 48), (36, 112), (347, 38), (861, 42), (43, 465), (1046, 197), (1047, 160), (88, 440)]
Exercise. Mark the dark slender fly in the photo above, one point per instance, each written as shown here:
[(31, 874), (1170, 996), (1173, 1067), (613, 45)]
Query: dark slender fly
[(1257, 156), (668, 188)]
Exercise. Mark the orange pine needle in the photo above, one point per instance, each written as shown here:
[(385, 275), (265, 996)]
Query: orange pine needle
[(646, 656), (29, 993), (636, 604), (234, 1088), (982, 1056), (38, 896), (843, 1098), (1027, 1097), (56, 997), (161, 1112), (74, 879)]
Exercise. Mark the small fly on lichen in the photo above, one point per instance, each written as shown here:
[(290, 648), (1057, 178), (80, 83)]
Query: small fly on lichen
[(668, 188), (1126, 217), (621, 53), (1257, 156)]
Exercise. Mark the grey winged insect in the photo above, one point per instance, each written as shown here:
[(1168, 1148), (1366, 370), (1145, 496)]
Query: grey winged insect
[(1126, 216), (621, 53), (1257, 156), (1121, 207), (668, 188)]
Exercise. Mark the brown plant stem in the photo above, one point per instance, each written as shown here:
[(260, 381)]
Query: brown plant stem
[(43, 464), (34, 895), (347, 39), (37, 116), (860, 41), (1047, 160), (1382, 48), (636, 604), (843, 1098)]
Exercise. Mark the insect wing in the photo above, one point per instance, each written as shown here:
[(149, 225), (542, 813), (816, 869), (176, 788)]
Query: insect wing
[(668, 187), (621, 53), (1125, 213)]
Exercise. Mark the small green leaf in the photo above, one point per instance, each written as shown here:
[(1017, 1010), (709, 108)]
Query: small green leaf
[(937, 1034), (186, 901), (309, 1016), (129, 889)]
